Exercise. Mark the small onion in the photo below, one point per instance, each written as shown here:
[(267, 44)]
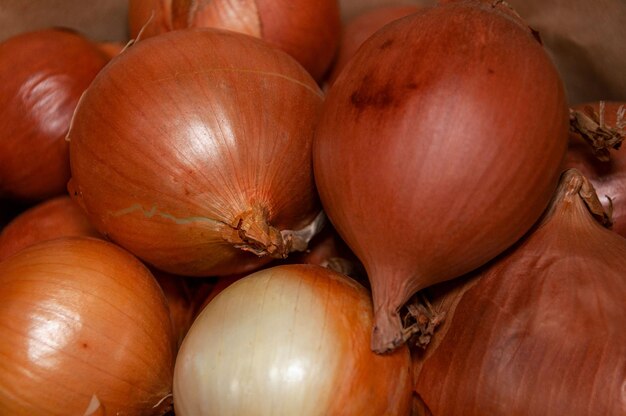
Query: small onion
[(607, 176), (539, 331), (84, 328), (289, 340), (54, 218), (42, 75), (308, 30), (439, 146), (192, 150)]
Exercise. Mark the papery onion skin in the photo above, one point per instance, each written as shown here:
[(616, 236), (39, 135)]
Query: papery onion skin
[(431, 163), (42, 75), (175, 151), (308, 30), (54, 218), (539, 331), (79, 318), (289, 340), (608, 178)]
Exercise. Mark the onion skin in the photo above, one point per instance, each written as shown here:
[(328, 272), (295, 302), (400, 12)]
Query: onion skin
[(608, 178), (539, 331), (54, 218), (418, 159), (42, 75), (308, 30), (188, 159), (90, 317), (289, 340)]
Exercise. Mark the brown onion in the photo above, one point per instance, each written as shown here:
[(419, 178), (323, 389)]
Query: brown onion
[(84, 329), (438, 147), (609, 176), (42, 75), (192, 150), (359, 28), (539, 331), (289, 340), (308, 30), (54, 218)]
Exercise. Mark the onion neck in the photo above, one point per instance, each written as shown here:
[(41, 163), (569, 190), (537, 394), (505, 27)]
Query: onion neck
[(591, 127)]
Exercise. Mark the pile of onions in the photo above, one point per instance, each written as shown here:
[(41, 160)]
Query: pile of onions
[(607, 176), (540, 331), (289, 340), (431, 163), (54, 218), (85, 330), (308, 30), (192, 150), (42, 75)]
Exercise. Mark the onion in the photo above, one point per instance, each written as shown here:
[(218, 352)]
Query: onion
[(84, 328), (289, 340), (54, 218), (199, 162), (608, 175), (431, 163), (359, 28), (42, 75), (308, 30), (539, 331)]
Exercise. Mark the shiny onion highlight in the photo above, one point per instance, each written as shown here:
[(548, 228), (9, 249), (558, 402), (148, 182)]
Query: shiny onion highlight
[(54, 218), (289, 340), (308, 30), (42, 75), (431, 163), (85, 330), (540, 330), (607, 176), (192, 150)]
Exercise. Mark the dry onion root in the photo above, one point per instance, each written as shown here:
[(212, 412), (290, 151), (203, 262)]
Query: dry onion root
[(85, 330), (431, 163), (541, 329)]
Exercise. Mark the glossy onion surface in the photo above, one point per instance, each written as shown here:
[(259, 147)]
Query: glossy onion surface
[(431, 162), (42, 75), (84, 326), (289, 340), (195, 145)]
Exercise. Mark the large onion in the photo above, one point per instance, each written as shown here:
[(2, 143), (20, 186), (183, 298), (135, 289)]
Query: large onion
[(308, 30), (193, 150), (289, 340), (540, 331), (54, 218), (607, 176), (439, 146), (84, 329), (42, 75)]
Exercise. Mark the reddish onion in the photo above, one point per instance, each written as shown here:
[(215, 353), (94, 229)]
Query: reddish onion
[(192, 150), (85, 328), (608, 177), (54, 218), (289, 340), (308, 30), (431, 163), (540, 331), (42, 75)]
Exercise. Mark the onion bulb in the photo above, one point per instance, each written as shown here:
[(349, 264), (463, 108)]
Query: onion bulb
[(192, 150), (606, 170), (308, 30), (438, 147), (289, 340), (540, 330), (54, 218), (42, 75), (85, 330)]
